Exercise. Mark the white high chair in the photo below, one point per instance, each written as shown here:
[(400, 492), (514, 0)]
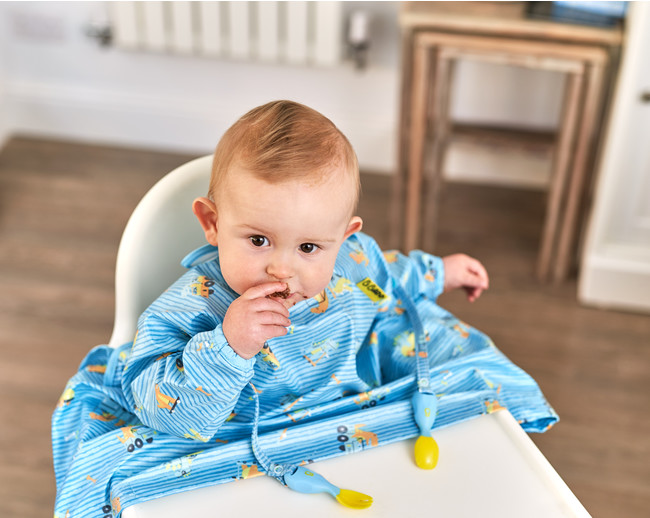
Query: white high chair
[(159, 233), (488, 466)]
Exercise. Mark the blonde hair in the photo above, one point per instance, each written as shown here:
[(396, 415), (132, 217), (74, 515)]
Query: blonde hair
[(282, 141)]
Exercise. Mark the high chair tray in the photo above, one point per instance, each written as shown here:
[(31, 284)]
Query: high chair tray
[(488, 467)]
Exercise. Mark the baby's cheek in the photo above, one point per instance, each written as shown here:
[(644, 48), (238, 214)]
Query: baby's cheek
[(239, 275), (319, 283), (315, 277)]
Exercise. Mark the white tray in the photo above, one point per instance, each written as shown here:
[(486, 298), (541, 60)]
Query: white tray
[(488, 467)]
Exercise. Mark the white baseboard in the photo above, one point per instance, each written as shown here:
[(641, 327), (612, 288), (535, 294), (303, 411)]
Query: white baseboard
[(4, 136), (619, 279), (172, 124), (5, 130), (193, 126)]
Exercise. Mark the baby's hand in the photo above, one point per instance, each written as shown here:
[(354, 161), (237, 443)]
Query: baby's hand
[(253, 318), (463, 271)]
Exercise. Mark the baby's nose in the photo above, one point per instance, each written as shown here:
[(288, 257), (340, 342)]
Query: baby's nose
[(280, 267)]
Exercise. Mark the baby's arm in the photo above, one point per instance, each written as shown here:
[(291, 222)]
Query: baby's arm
[(428, 275), (182, 376), (420, 273), (462, 271), (184, 379)]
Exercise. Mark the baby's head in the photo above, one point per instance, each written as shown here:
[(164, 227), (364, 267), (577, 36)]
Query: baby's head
[(283, 192), (285, 141)]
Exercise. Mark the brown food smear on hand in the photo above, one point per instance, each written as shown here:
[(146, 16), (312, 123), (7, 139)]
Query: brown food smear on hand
[(281, 294)]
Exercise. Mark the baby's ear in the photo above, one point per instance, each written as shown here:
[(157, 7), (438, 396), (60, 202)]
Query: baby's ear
[(355, 225), (206, 212)]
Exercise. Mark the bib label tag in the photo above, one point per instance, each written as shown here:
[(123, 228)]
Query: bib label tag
[(372, 291)]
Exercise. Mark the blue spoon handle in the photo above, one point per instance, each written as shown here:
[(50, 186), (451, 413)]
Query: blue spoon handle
[(425, 407), (306, 481)]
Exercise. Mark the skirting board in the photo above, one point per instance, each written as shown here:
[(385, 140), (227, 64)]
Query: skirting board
[(166, 123), (194, 126), (4, 136), (5, 130), (615, 283)]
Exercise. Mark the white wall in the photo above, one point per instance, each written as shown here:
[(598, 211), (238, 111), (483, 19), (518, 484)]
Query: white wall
[(62, 84), (54, 81)]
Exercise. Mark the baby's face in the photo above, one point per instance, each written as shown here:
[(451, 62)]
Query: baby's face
[(289, 232)]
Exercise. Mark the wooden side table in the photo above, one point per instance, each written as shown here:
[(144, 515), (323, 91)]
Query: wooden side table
[(432, 43)]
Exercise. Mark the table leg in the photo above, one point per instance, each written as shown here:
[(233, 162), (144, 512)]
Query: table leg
[(396, 216), (417, 134), (583, 154), (561, 163), (436, 153)]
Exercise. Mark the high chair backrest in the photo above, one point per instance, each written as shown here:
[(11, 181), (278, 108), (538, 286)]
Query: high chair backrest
[(159, 233)]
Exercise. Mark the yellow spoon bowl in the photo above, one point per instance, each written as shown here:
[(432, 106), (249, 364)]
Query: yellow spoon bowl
[(426, 452), (354, 499), (306, 481)]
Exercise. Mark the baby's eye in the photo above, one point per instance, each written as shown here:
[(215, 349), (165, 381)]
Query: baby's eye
[(259, 241), (308, 248)]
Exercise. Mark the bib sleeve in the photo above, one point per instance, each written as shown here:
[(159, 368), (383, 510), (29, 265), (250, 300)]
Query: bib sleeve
[(182, 377), (421, 274)]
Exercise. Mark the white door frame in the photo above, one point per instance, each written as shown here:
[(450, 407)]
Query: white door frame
[(615, 270)]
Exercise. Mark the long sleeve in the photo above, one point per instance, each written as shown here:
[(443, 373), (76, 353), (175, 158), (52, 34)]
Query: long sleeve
[(421, 274), (182, 376)]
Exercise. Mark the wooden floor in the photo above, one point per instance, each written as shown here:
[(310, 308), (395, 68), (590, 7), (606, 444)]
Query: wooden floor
[(62, 210)]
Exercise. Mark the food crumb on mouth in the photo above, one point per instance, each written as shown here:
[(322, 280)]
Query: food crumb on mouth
[(281, 294)]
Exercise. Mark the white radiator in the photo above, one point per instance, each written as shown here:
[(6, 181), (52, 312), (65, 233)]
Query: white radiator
[(300, 33)]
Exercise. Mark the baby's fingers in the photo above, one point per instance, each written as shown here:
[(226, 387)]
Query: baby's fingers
[(475, 279), (477, 269), (272, 318), (473, 293), (264, 290), (274, 332), (270, 325), (267, 305)]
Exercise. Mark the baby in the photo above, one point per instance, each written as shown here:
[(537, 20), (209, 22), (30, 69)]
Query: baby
[(281, 206), (305, 326)]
